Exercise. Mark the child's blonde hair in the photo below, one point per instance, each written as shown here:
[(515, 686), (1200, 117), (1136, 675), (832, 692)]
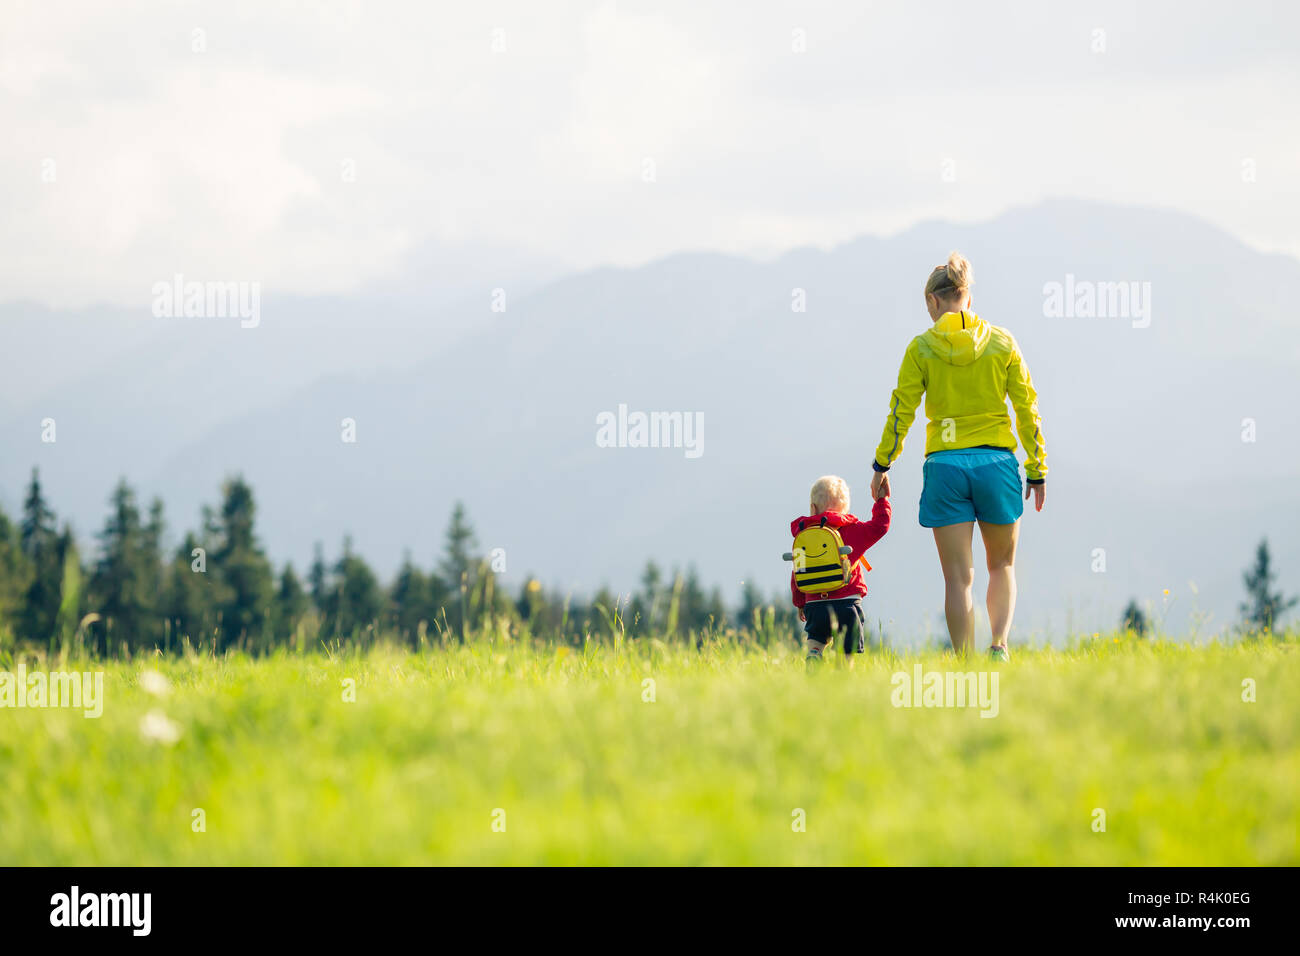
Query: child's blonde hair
[(827, 491)]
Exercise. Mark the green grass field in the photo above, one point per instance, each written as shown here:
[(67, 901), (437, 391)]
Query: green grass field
[(563, 748)]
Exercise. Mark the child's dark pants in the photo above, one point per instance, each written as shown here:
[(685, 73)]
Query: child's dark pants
[(827, 618)]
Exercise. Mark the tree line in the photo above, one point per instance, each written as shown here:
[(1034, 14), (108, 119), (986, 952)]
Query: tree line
[(218, 590)]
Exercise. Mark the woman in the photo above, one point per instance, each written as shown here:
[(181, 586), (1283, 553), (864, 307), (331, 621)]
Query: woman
[(967, 369)]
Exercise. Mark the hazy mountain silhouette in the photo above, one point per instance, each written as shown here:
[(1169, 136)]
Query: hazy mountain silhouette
[(1144, 425)]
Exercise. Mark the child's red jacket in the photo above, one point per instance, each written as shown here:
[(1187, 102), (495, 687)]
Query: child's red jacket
[(858, 535)]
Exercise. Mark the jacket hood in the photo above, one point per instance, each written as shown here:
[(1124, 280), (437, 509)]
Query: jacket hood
[(959, 338), (834, 519)]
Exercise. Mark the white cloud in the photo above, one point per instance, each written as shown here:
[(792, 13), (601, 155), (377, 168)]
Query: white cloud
[(227, 163)]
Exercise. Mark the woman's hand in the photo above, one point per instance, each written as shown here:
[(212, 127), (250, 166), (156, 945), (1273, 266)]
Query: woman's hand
[(1040, 492), (879, 485)]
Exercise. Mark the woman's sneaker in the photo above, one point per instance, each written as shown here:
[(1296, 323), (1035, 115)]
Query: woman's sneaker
[(998, 653)]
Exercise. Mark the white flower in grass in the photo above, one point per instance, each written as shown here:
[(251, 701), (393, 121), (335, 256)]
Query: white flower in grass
[(151, 682), (157, 726)]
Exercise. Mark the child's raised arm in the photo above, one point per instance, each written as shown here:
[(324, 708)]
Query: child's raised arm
[(864, 534)]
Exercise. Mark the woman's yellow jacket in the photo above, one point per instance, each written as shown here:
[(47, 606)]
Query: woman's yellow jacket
[(967, 369)]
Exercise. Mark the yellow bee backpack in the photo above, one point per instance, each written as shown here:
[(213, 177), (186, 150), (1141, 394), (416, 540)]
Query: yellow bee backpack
[(820, 556)]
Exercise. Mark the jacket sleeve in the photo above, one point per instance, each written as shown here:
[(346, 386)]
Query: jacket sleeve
[(800, 599), (864, 534), (1020, 389), (902, 409)]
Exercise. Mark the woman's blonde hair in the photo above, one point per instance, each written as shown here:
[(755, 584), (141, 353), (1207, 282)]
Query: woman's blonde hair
[(951, 280), (829, 490)]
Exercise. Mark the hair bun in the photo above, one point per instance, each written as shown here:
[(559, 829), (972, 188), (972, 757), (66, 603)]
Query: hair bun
[(959, 272)]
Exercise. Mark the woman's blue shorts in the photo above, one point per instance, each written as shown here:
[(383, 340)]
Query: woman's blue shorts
[(971, 484)]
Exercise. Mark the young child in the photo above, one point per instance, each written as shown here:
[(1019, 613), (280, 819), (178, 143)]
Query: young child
[(824, 614)]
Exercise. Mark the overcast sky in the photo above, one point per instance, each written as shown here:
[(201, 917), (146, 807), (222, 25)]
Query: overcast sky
[(313, 146)]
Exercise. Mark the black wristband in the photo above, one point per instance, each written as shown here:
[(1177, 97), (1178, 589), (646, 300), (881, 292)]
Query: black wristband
[(879, 467)]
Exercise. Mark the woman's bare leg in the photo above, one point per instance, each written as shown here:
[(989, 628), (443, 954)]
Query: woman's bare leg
[(1000, 550), (954, 544)]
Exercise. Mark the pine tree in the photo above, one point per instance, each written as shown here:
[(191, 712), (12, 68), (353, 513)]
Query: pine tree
[(751, 601), (38, 519), (122, 585), (1134, 619), (153, 560), (70, 597), (715, 610), (694, 604), (458, 568), (291, 604), (15, 576), (532, 604), (605, 609), (357, 599), (647, 606), (189, 602), (440, 599), (1263, 606), (39, 541), (245, 575), (409, 602), (458, 559), (318, 579)]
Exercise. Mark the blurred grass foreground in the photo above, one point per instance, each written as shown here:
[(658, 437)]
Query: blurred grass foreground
[(1114, 751)]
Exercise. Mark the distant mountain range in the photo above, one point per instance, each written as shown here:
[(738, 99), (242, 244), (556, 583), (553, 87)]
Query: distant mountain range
[(1144, 422)]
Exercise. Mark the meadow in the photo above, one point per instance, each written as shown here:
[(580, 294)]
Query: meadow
[(505, 751)]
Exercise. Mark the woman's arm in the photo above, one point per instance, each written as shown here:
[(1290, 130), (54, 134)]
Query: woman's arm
[(902, 409), (1024, 400)]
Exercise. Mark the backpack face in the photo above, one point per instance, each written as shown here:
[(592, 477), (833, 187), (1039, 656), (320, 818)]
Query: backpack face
[(821, 561)]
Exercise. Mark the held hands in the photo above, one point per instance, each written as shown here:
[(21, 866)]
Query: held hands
[(880, 485), (1040, 492)]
